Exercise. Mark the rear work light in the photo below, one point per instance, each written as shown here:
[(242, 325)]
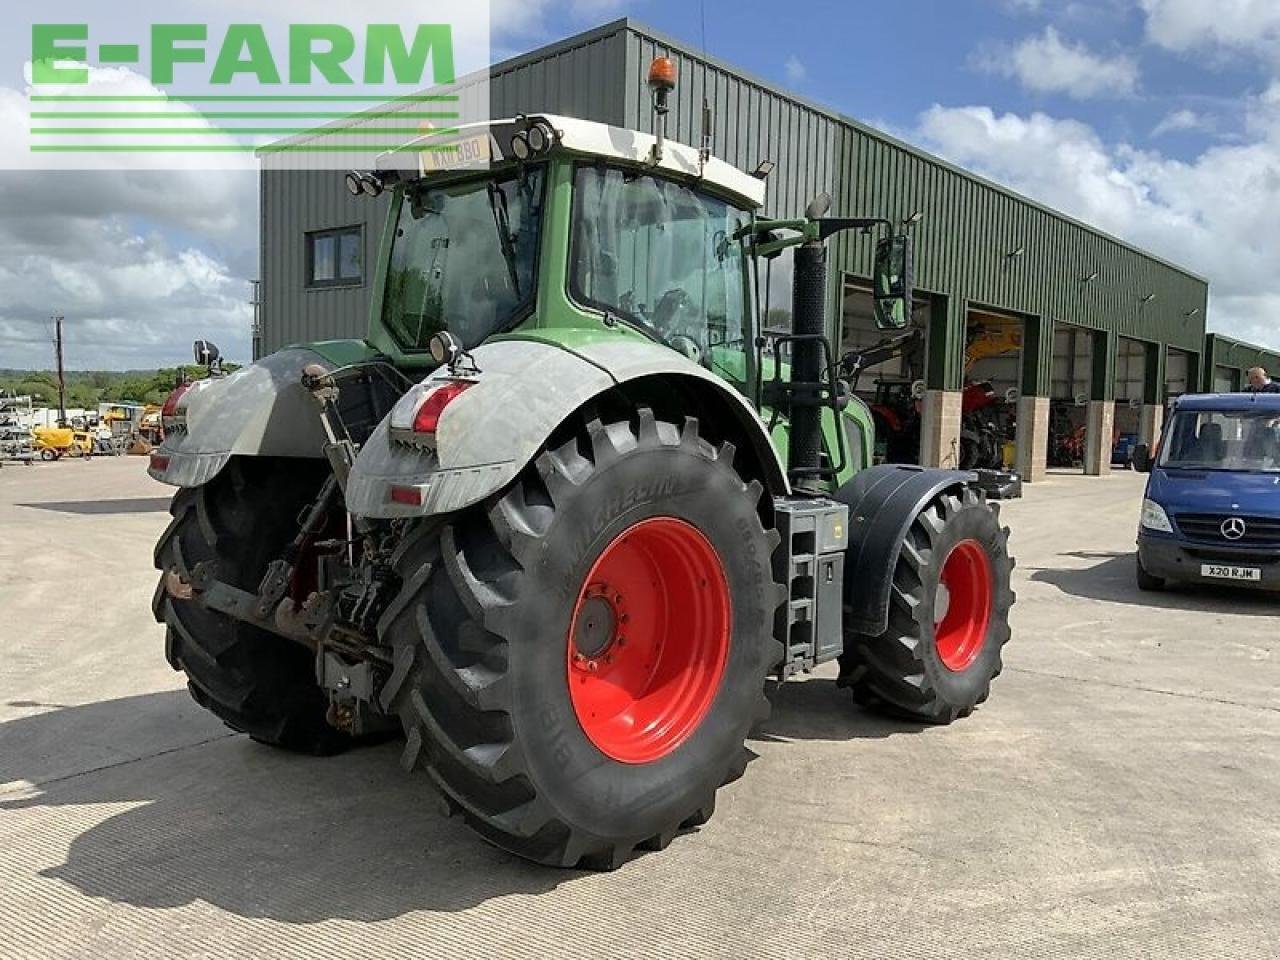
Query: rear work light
[(427, 418)]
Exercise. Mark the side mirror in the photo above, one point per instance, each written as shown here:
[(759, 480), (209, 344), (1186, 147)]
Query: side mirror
[(891, 282), (206, 353), (818, 206), (1141, 457)]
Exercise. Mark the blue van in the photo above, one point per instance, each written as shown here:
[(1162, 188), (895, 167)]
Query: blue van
[(1211, 513)]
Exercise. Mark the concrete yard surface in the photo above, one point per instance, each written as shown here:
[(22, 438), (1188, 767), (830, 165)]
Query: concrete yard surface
[(1117, 796)]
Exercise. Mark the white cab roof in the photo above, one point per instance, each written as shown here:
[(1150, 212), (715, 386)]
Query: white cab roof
[(602, 140), (592, 139)]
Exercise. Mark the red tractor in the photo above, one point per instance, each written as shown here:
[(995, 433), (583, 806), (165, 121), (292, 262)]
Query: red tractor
[(981, 431)]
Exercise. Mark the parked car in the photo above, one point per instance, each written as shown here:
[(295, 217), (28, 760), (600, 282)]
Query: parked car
[(1122, 450), (1211, 513)]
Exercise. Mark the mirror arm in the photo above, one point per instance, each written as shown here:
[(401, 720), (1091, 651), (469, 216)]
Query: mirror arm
[(833, 225), (805, 230), (771, 248)]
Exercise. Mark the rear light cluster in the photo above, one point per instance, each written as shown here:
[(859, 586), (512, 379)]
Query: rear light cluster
[(427, 419), (417, 417), (173, 415)]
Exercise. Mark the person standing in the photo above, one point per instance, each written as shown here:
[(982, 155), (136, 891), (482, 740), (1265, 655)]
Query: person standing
[(1259, 382)]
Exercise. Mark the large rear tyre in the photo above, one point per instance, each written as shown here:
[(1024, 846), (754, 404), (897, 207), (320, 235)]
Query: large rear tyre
[(578, 660), (254, 681), (948, 616)]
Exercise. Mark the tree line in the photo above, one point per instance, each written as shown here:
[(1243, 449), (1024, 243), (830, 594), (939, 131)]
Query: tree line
[(88, 388)]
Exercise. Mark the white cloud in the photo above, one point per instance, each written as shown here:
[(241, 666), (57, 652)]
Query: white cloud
[(795, 70), (142, 262), (1181, 121), (1215, 27), (1046, 63), (1217, 214), (130, 301)]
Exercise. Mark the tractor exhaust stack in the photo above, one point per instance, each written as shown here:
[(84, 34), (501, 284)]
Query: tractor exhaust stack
[(809, 327)]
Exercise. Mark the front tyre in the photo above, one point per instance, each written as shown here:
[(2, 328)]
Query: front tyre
[(578, 661), (948, 616)]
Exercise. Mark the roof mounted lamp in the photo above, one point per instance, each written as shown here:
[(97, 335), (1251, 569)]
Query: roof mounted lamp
[(360, 184), (662, 80)]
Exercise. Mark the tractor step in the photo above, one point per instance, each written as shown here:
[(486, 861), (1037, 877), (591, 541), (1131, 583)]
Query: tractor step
[(810, 561), (999, 484)]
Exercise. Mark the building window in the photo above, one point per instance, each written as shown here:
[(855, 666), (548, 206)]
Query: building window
[(335, 258)]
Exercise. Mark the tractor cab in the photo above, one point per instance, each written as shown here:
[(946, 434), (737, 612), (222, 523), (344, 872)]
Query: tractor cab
[(552, 222)]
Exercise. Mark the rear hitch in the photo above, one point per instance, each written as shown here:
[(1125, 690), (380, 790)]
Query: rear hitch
[(279, 618)]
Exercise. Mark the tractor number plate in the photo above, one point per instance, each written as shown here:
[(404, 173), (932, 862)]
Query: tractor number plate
[(457, 155), (1217, 571)]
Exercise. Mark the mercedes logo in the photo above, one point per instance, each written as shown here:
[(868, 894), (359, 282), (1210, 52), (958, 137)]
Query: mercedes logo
[(1233, 528)]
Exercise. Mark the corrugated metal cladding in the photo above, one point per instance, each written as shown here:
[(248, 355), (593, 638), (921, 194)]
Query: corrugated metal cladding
[(294, 203), (579, 77), (964, 244), (971, 228), (1223, 351)]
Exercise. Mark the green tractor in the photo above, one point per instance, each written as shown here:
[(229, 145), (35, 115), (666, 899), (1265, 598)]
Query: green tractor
[(563, 514)]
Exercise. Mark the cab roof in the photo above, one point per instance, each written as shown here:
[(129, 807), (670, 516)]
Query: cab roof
[(1230, 401), (588, 138)]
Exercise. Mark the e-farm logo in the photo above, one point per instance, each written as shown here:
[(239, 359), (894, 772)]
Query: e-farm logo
[(247, 88)]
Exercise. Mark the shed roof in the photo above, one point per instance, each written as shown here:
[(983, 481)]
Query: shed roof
[(635, 26)]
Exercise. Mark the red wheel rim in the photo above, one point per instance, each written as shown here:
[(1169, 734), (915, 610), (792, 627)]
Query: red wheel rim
[(649, 640), (966, 585)]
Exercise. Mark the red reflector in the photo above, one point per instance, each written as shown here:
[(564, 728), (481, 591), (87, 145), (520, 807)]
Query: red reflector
[(409, 496), (159, 462), (171, 402), (427, 419)]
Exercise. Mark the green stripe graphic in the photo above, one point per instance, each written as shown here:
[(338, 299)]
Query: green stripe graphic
[(237, 115), (232, 148), (218, 131), (241, 98), (118, 53)]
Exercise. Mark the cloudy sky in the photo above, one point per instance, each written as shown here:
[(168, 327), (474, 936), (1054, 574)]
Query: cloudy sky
[(1157, 120)]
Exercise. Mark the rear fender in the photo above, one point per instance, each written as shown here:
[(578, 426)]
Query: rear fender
[(883, 502), (261, 410), (526, 389)]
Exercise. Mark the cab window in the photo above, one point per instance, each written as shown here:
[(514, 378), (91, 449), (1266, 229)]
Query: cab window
[(662, 256)]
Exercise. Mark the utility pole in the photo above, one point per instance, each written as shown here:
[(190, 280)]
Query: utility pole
[(62, 380)]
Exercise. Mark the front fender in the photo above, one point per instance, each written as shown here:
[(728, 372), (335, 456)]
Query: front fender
[(526, 389), (260, 410), (883, 502)]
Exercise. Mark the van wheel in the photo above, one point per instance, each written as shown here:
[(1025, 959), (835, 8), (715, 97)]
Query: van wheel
[(1146, 581)]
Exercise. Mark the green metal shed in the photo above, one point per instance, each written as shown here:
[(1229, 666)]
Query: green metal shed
[(1226, 360), (979, 247)]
